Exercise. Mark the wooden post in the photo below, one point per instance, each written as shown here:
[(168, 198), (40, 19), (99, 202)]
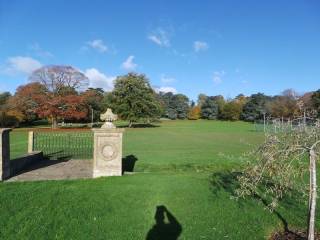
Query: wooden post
[(30, 141), (312, 195), (312, 191), (4, 153)]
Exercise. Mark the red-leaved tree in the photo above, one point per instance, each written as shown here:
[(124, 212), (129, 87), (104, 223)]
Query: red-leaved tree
[(61, 99)]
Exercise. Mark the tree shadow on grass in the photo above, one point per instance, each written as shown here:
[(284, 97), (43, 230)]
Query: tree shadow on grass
[(128, 163), (227, 181), (58, 156), (140, 125), (164, 230)]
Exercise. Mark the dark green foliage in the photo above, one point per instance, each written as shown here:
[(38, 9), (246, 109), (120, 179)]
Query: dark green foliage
[(5, 119), (94, 101), (180, 103), (219, 99), (255, 107), (4, 98), (209, 109), (201, 99), (165, 100), (8, 120), (315, 99), (171, 114), (231, 111), (134, 99), (107, 101), (175, 106)]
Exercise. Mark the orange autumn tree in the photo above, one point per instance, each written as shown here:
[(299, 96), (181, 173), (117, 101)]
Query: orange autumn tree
[(61, 98), (194, 113), (23, 102)]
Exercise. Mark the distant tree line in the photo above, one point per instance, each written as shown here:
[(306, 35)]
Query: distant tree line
[(61, 94), (288, 104)]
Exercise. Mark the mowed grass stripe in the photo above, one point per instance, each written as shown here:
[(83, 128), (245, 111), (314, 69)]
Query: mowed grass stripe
[(180, 157)]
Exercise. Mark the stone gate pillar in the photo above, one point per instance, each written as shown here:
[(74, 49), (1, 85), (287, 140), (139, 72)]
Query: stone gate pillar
[(107, 156), (4, 153)]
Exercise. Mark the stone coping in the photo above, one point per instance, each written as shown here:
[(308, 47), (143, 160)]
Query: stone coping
[(5, 129), (108, 130)]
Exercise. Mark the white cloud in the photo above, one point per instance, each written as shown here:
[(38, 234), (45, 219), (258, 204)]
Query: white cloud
[(20, 65), (244, 81), (39, 51), (217, 76), (166, 90), (155, 39), (98, 45), (160, 37), (128, 64), (99, 80), (200, 46), (165, 79)]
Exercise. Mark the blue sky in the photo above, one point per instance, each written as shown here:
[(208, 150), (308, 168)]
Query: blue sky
[(192, 47)]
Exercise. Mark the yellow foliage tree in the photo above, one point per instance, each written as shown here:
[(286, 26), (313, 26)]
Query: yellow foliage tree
[(194, 113)]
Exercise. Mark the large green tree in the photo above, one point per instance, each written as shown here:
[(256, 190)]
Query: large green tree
[(175, 106), (93, 98), (255, 107), (180, 103), (133, 98), (201, 99), (231, 111), (210, 109)]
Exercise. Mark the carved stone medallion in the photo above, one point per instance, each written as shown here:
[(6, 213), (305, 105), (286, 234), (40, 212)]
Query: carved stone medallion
[(109, 151)]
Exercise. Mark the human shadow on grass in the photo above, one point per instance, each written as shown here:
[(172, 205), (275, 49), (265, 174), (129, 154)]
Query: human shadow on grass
[(164, 230), (227, 181), (128, 163)]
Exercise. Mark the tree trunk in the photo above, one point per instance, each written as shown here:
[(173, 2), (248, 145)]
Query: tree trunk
[(130, 124), (54, 122), (312, 194)]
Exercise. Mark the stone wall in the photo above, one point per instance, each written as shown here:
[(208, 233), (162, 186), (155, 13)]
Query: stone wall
[(9, 167), (4, 153)]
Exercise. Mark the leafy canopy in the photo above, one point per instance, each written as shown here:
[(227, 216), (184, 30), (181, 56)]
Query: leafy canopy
[(210, 108), (134, 99), (175, 106)]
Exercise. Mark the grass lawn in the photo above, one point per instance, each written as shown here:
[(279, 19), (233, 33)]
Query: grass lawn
[(182, 165)]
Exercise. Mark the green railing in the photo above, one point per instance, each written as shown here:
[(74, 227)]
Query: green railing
[(64, 145)]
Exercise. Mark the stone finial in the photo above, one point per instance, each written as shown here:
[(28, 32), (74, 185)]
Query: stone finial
[(108, 117)]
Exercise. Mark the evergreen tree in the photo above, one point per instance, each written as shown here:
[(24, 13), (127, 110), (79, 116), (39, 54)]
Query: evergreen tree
[(176, 106), (133, 98), (255, 107), (209, 109)]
